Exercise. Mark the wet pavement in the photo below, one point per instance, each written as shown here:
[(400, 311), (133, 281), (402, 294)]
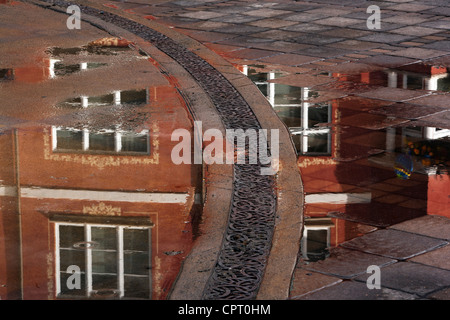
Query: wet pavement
[(366, 111)]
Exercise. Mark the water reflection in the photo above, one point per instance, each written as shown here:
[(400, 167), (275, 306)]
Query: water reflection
[(92, 207), (365, 163)]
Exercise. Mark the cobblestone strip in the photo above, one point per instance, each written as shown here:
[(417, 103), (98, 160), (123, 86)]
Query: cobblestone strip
[(247, 241)]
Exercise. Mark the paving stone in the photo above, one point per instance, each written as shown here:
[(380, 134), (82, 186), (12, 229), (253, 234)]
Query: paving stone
[(443, 294), (316, 39), (276, 34), (303, 80), (352, 44), (415, 31), (272, 23), (440, 24), (236, 18), (387, 61), (386, 38), (352, 290), (307, 27), (371, 121), (241, 29), (304, 17), (338, 21), (345, 263), (305, 281), (439, 45), (346, 33), (394, 94), (251, 54), (439, 258), (266, 12), (289, 59), (203, 15), (394, 244), (429, 225), (324, 52), (407, 19), (282, 46), (433, 100), (413, 278), (407, 111), (410, 7)]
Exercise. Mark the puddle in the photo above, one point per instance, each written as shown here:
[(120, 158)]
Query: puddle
[(100, 202), (366, 162)]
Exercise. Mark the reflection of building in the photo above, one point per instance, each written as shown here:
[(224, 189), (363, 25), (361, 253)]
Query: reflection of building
[(348, 171), (109, 202)]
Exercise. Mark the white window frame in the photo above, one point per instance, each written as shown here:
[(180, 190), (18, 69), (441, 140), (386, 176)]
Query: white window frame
[(85, 141), (88, 253)]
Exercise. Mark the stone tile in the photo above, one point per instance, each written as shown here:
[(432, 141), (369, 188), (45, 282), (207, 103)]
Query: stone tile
[(289, 59), (324, 52), (352, 44), (433, 100), (236, 18), (272, 23), (330, 11), (352, 290), (393, 94), (415, 31), (338, 21), (407, 111), (439, 258), (251, 54), (281, 46), (266, 12), (413, 278), (407, 19), (307, 27), (387, 61), (370, 121), (386, 38), (240, 29), (410, 7), (429, 225), (439, 24), (346, 264), (394, 244), (276, 34), (305, 281), (439, 45), (443, 294), (440, 120), (202, 15), (304, 17), (316, 39), (346, 33)]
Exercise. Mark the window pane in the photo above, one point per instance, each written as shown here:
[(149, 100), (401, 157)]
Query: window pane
[(105, 237), (291, 116), (136, 239), (69, 140), (69, 235), (317, 241), (317, 115), (133, 142), (136, 263), (104, 262), (285, 94), (318, 143), (72, 257), (104, 282), (101, 141), (134, 96), (137, 287)]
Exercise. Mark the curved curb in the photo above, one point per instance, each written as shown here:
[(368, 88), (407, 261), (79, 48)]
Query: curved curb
[(290, 198)]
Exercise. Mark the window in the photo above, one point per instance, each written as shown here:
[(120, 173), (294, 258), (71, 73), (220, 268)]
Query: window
[(112, 259), (316, 238), (107, 141)]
